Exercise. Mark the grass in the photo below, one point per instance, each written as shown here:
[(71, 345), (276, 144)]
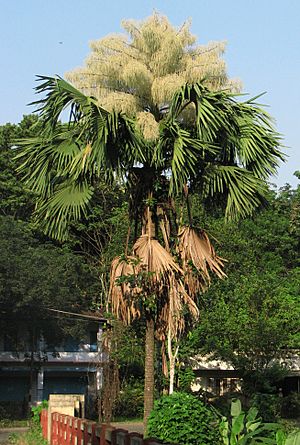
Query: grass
[(127, 420), (32, 437), (8, 423)]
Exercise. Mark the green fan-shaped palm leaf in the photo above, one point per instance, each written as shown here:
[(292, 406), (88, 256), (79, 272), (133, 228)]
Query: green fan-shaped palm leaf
[(93, 144), (179, 152), (242, 191), (59, 96), (244, 148), (69, 202)]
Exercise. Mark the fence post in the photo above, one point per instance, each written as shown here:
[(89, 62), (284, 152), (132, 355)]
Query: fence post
[(102, 434), (98, 429), (44, 422), (68, 429), (54, 429), (74, 431), (79, 432), (107, 436), (85, 432), (135, 439), (93, 435)]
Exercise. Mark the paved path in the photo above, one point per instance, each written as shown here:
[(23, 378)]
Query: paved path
[(132, 427), (6, 432)]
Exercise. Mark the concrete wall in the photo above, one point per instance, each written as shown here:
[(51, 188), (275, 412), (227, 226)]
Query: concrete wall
[(70, 405)]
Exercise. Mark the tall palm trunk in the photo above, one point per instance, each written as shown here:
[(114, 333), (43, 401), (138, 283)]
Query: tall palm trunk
[(149, 340), (149, 370)]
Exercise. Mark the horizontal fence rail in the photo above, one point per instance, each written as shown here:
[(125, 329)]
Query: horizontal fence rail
[(67, 430)]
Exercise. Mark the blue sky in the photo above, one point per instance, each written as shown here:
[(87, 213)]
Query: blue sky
[(263, 48)]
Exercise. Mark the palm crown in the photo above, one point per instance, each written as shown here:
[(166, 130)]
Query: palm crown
[(229, 149)]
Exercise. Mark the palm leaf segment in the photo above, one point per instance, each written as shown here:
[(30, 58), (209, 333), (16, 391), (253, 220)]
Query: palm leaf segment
[(62, 163), (234, 151)]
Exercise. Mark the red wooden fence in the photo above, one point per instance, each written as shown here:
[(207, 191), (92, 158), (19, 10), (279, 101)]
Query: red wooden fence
[(44, 423), (67, 430)]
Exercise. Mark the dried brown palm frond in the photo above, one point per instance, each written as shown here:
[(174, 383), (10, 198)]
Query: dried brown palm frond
[(196, 251), (179, 300), (155, 259), (171, 315), (164, 224), (124, 298)]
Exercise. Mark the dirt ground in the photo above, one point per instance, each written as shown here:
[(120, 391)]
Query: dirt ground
[(132, 427), (6, 432)]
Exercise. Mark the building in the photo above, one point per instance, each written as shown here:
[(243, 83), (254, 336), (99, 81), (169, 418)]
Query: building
[(30, 371), (217, 377)]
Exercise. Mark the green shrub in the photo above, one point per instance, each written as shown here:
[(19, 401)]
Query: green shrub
[(290, 406), (36, 412), (130, 402), (186, 376), (183, 419), (268, 406), (34, 435)]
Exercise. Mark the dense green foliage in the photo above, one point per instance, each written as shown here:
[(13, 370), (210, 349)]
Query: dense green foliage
[(130, 402), (183, 419), (252, 316), (36, 276), (16, 199)]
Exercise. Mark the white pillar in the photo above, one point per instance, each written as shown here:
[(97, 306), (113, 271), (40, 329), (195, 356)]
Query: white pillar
[(40, 385)]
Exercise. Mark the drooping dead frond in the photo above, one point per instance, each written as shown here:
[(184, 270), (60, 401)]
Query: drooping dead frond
[(156, 260), (168, 280), (124, 298), (180, 301), (197, 252), (164, 224), (172, 314)]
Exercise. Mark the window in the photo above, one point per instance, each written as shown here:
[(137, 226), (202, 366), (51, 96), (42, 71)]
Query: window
[(93, 341)]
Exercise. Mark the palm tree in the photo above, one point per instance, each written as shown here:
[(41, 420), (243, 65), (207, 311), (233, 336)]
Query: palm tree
[(154, 125), (224, 152)]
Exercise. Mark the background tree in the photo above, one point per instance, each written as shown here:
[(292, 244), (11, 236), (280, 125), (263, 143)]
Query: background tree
[(61, 284), (251, 319), (16, 200), (222, 148)]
